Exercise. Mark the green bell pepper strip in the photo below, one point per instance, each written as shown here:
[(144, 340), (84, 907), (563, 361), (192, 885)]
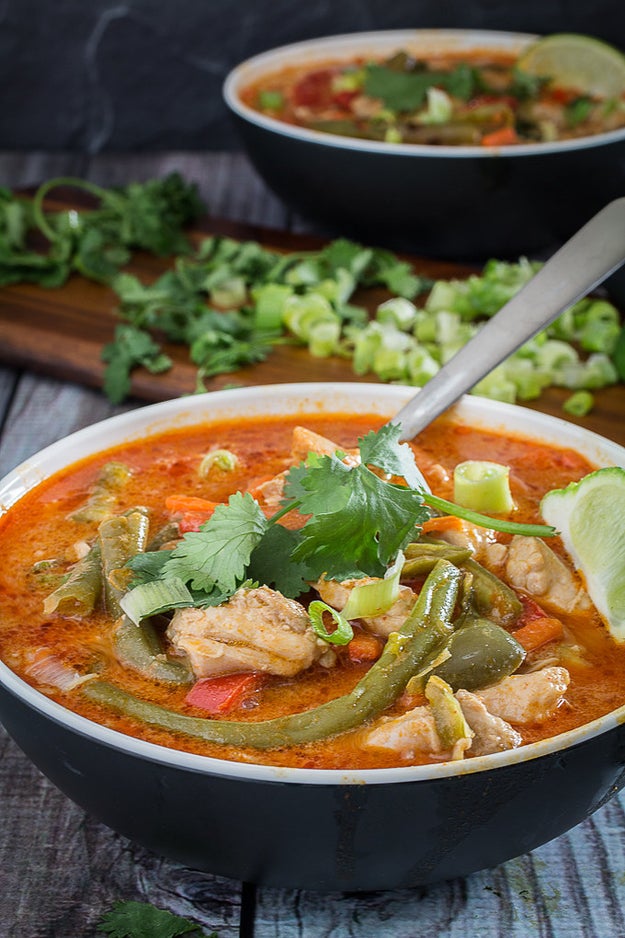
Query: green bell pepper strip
[(426, 630), (480, 653), (491, 596)]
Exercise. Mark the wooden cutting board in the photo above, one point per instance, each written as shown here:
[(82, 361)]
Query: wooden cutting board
[(61, 332)]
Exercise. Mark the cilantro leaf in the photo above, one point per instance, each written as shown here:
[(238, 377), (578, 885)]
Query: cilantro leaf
[(270, 562), (330, 493), (360, 536), (142, 920), (406, 90), (130, 347), (216, 557), (360, 540), (382, 449), (148, 565), (386, 269)]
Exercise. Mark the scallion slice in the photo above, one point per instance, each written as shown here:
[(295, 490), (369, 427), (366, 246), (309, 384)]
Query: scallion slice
[(151, 599), (376, 597), (342, 634), (483, 486)]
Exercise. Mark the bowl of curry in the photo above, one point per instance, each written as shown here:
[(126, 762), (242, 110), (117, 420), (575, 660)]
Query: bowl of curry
[(430, 140), (257, 633)]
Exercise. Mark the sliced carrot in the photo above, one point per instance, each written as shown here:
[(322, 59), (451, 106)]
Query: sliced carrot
[(538, 632), (364, 647), (500, 138), (191, 510), (179, 504), (445, 523), (224, 693)]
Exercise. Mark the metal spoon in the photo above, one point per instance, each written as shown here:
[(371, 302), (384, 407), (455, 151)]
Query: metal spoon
[(582, 263)]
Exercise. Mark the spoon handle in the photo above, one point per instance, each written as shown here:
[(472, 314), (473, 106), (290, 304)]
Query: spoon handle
[(583, 262)]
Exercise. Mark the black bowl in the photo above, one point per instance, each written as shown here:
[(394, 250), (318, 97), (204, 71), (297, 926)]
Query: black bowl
[(464, 202), (305, 828)]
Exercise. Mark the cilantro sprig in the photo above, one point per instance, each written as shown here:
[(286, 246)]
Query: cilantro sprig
[(142, 920), (358, 522), (359, 518), (407, 90)]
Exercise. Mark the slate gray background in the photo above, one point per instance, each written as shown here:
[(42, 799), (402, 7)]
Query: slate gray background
[(99, 75)]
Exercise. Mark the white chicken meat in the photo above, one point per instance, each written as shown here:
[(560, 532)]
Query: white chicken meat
[(256, 630)]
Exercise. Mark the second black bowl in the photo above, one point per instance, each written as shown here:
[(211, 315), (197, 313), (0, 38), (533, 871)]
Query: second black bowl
[(465, 202)]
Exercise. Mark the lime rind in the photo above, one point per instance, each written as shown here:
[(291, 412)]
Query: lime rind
[(577, 61), (590, 518)]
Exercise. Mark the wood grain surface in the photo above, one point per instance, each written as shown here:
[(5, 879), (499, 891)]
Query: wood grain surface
[(60, 869)]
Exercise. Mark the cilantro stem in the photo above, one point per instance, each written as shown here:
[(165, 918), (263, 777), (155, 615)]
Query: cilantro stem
[(284, 511), (485, 521), (46, 187)]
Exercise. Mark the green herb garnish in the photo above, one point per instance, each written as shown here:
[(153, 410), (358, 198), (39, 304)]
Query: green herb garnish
[(359, 522), (142, 920), (406, 91)]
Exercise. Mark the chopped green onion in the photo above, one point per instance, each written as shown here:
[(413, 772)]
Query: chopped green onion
[(483, 486), (157, 596), (221, 458), (439, 107), (497, 385), (352, 79), (376, 597), (398, 311), (270, 299), (302, 313), (392, 135), (324, 337), (270, 100), (420, 365), (342, 634), (578, 111), (229, 294), (579, 404)]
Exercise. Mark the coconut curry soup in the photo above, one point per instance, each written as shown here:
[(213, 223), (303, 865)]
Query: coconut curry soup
[(472, 99), (297, 593)]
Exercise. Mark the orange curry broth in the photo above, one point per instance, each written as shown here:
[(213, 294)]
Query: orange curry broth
[(37, 527), (285, 79)]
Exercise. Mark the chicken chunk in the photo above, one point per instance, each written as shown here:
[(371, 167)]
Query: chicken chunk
[(271, 491), (336, 593), (527, 698), (258, 629), (306, 441), (412, 732), (532, 566), (492, 734)]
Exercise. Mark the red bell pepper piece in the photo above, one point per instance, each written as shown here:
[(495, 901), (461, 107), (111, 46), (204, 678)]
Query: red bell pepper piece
[(224, 693)]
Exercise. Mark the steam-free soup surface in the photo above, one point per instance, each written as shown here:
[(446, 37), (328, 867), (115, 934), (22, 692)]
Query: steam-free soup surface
[(45, 535)]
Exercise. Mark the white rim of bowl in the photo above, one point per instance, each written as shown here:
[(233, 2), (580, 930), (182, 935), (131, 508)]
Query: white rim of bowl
[(305, 397), (254, 67)]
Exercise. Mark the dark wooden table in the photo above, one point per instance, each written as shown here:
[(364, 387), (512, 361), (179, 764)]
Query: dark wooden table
[(60, 869)]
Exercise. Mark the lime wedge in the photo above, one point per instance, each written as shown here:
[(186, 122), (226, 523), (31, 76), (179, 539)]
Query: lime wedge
[(590, 517), (571, 60)]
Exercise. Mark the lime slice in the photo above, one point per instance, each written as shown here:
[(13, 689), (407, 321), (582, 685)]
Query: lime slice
[(571, 60), (590, 517)]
